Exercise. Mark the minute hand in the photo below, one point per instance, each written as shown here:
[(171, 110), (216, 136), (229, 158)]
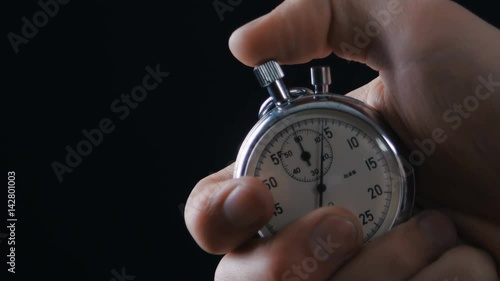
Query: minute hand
[(304, 155)]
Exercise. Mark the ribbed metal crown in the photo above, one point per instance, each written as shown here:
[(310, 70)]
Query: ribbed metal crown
[(268, 72)]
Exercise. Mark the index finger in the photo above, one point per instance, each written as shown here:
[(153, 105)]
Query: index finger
[(298, 31), (379, 33)]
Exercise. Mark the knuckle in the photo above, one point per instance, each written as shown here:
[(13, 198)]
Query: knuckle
[(198, 212), (409, 248), (261, 262), (402, 254), (280, 270), (475, 263), (203, 193), (200, 199)]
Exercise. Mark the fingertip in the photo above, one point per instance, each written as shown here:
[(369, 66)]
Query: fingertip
[(236, 45), (243, 46), (249, 204), (334, 220), (222, 215), (288, 34), (349, 216), (438, 228)]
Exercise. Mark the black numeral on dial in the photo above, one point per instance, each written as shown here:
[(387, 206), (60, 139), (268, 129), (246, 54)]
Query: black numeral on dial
[(370, 163), (271, 182), (375, 191), (366, 217), (278, 210)]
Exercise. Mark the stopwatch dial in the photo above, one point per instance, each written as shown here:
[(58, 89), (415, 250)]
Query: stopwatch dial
[(357, 171), (301, 154)]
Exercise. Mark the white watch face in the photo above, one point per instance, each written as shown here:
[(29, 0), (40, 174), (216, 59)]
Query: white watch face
[(318, 158)]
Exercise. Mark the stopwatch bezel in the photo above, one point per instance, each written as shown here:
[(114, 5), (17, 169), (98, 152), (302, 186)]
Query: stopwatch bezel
[(347, 105)]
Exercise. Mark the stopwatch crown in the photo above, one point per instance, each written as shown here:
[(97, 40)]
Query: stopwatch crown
[(270, 76), (268, 73)]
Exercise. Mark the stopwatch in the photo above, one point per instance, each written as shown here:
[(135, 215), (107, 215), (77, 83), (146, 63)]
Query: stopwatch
[(313, 149)]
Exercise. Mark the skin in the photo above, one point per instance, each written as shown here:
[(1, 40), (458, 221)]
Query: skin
[(430, 56)]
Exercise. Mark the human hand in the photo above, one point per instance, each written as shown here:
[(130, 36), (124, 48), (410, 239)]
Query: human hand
[(438, 87), (223, 214)]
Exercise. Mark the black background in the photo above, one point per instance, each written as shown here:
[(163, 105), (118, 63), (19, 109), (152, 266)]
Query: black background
[(121, 207)]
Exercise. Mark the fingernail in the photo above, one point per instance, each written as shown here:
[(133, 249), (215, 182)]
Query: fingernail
[(334, 236), (438, 228), (239, 207)]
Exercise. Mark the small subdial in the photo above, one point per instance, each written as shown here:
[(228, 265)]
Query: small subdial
[(300, 155)]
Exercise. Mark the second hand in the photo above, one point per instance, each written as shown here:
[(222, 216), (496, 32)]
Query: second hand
[(321, 187)]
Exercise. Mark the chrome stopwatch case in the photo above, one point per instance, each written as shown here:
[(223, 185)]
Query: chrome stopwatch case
[(315, 149)]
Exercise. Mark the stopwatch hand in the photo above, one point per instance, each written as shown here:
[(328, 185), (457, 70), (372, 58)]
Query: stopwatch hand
[(321, 187)]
